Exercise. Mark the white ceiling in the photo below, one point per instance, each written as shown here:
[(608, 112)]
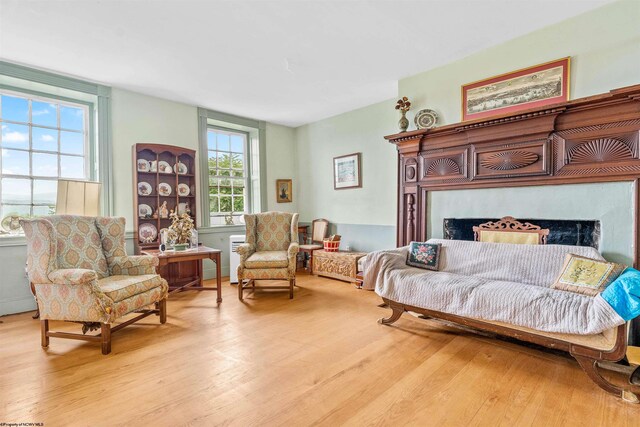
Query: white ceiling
[(287, 62)]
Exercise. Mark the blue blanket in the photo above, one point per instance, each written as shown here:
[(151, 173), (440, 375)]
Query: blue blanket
[(624, 294)]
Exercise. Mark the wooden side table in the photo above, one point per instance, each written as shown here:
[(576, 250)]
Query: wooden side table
[(170, 260)]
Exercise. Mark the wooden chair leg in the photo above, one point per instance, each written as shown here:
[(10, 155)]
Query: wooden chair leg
[(44, 329), (162, 307), (396, 312), (590, 367), (240, 285), (291, 284), (105, 334)]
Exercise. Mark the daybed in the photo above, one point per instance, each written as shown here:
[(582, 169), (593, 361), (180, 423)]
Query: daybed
[(505, 289)]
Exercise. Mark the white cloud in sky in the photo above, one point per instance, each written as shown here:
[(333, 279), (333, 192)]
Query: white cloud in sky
[(15, 136), (47, 138), (40, 112)]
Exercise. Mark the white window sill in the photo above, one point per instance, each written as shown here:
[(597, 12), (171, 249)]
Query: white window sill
[(12, 240)]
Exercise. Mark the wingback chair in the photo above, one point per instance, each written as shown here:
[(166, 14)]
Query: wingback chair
[(80, 271), (270, 250)]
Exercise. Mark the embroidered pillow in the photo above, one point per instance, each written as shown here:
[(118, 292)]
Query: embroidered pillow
[(424, 255), (587, 276)]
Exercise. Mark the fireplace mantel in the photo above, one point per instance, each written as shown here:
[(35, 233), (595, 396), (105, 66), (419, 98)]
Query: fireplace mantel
[(592, 139)]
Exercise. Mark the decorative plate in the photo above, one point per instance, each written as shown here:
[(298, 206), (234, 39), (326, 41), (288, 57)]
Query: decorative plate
[(164, 167), (10, 223), (147, 233), (144, 189), (164, 189), (143, 165), (183, 190), (144, 210), (181, 168), (426, 119)]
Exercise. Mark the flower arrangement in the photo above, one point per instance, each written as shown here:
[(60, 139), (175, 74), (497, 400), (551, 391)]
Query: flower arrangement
[(181, 226), (403, 104)]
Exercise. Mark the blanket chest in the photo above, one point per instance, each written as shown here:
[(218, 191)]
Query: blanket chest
[(342, 265)]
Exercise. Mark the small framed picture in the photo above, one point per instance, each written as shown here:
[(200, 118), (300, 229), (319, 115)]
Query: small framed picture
[(284, 190), (347, 172)]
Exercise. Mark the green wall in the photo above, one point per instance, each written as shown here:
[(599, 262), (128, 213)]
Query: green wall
[(604, 46)]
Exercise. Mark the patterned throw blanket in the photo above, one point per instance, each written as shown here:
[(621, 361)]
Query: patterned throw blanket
[(492, 281)]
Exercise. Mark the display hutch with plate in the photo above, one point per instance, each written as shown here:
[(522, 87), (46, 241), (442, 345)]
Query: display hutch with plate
[(164, 180)]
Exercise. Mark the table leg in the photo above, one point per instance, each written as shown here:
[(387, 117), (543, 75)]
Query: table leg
[(218, 277)]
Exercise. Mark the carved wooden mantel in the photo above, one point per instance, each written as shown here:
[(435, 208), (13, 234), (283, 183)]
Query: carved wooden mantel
[(593, 139)]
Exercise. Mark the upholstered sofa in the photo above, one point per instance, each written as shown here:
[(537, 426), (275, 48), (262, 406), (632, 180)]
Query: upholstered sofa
[(505, 289), (81, 273)]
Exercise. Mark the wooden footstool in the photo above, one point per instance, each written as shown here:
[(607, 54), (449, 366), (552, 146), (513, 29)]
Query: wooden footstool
[(342, 265)]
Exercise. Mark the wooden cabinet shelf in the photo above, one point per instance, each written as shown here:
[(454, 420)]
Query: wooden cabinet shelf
[(149, 157)]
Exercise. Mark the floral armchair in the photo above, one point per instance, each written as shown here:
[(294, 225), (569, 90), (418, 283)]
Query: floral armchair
[(270, 250), (80, 271)]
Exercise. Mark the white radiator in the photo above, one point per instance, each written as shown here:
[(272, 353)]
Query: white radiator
[(234, 258)]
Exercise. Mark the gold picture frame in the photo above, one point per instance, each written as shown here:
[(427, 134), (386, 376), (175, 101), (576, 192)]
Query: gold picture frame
[(284, 190)]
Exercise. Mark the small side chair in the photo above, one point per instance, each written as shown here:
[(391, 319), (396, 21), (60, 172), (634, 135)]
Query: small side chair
[(319, 230), (81, 273)]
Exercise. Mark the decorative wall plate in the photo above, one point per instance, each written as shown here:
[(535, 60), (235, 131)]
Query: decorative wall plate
[(144, 189), (181, 168), (164, 167), (144, 210), (147, 233), (143, 165), (164, 189), (426, 119), (183, 190)]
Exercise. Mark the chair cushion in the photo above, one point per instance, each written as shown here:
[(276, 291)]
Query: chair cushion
[(310, 247), (119, 288), (267, 259), (273, 231), (79, 244)]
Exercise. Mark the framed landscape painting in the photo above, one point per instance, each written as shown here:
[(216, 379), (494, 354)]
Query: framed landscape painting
[(346, 172), (532, 87)]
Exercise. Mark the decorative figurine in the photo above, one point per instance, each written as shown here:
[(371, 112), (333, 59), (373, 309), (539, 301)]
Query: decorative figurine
[(163, 211)]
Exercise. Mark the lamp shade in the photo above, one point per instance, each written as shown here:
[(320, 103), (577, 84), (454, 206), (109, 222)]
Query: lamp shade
[(78, 198)]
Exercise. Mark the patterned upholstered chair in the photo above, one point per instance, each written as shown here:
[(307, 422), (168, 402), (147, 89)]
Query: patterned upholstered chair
[(270, 250), (80, 271)]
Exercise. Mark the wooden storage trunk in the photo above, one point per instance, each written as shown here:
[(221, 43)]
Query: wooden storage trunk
[(340, 265)]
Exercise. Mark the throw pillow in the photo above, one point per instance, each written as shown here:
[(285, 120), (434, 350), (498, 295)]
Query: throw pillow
[(587, 276), (424, 255)]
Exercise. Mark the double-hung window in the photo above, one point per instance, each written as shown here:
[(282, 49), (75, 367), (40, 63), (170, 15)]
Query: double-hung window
[(43, 139), (228, 174)]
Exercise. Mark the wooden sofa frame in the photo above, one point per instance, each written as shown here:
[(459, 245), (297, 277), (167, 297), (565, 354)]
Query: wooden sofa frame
[(587, 357)]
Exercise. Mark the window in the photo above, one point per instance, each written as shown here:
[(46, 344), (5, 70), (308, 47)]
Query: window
[(42, 139), (228, 174)]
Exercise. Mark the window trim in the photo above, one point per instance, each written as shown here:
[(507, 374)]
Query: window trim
[(256, 130), (100, 123)]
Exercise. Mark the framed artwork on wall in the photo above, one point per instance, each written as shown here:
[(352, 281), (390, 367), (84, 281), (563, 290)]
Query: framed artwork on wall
[(284, 190), (347, 172), (531, 87)]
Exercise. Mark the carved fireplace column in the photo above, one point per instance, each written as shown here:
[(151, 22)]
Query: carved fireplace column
[(408, 192)]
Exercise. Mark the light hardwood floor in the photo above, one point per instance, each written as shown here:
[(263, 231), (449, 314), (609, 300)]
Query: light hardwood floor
[(318, 359)]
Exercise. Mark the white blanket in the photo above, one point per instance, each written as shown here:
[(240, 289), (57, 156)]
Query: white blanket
[(492, 281)]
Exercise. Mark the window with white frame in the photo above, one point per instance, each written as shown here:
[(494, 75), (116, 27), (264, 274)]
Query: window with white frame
[(228, 174), (42, 139)]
